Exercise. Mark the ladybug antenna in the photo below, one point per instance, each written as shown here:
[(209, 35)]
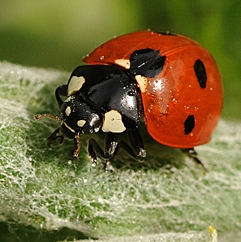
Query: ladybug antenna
[(39, 116)]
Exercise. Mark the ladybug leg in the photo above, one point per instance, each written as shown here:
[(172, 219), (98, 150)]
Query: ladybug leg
[(110, 148), (54, 136), (61, 91), (77, 145), (136, 149), (93, 148), (137, 144), (191, 152), (109, 151), (110, 145)]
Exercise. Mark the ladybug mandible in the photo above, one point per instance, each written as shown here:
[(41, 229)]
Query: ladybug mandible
[(170, 80)]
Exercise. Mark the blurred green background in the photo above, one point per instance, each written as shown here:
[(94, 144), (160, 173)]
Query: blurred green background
[(59, 33)]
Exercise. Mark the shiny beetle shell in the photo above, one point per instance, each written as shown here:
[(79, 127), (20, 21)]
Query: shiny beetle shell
[(183, 102)]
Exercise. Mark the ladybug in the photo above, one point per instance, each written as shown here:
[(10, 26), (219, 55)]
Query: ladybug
[(169, 81)]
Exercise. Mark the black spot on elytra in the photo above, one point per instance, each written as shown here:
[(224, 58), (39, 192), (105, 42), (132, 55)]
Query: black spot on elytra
[(166, 33), (146, 62), (189, 124), (200, 72)]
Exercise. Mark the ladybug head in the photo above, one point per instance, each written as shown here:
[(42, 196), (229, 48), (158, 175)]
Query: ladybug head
[(78, 117)]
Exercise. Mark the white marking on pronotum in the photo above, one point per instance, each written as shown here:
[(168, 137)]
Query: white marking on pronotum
[(142, 82), (124, 63), (113, 122), (67, 126), (68, 111), (75, 84), (81, 123)]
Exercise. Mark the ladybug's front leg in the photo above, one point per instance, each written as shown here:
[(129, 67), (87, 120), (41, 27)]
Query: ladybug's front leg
[(77, 145), (110, 148), (54, 136)]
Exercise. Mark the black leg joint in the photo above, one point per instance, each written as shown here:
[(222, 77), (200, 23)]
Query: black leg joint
[(54, 136), (93, 149), (110, 145), (137, 145)]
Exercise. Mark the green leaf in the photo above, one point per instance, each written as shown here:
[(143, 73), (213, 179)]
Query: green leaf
[(166, 196)]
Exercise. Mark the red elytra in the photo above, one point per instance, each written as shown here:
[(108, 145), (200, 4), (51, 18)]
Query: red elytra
[(179, 110)]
